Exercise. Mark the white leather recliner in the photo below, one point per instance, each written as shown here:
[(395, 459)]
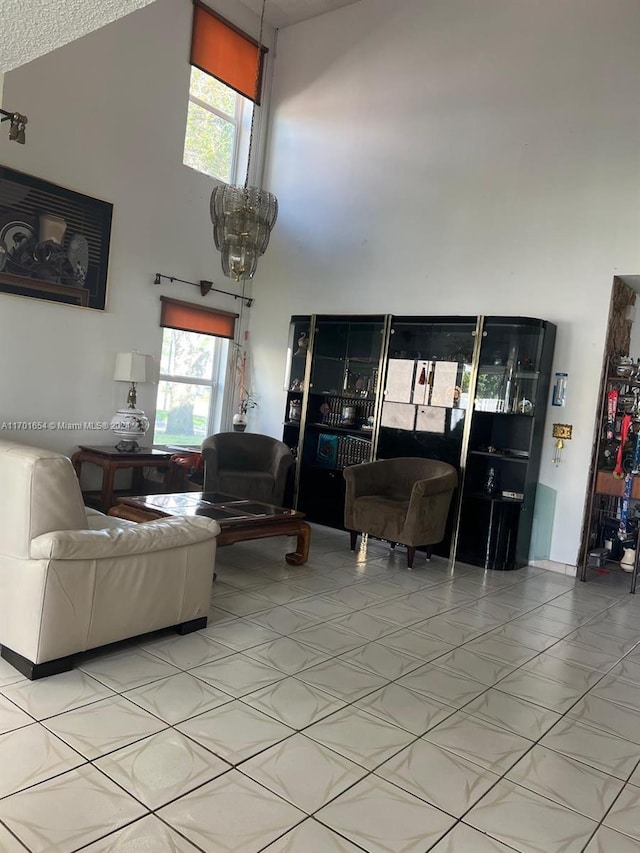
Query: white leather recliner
[(73, 579)]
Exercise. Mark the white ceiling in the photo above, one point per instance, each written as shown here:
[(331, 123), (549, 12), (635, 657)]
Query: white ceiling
[(283, 13), (31, 28)]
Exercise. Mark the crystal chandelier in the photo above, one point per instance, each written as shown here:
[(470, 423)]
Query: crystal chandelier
[(243, 216)]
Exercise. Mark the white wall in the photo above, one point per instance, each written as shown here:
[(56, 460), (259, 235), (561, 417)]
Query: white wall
[(107, 117), (453, 156)]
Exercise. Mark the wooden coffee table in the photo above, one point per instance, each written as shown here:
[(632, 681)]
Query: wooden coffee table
[(239, 519)]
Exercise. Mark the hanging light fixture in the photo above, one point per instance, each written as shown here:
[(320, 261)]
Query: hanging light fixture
[(243, 216)]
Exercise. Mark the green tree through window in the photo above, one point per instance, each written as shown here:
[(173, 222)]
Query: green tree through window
[(213, 121)]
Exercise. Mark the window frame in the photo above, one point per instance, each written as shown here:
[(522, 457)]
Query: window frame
[(216, 382), (236, 120)]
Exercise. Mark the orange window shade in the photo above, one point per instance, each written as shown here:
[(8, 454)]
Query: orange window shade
[(194, 318), (223, 51)]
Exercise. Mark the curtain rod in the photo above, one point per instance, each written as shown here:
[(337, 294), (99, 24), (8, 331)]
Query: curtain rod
[(205, 287)]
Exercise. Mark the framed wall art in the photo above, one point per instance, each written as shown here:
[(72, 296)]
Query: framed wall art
[(54, 242)]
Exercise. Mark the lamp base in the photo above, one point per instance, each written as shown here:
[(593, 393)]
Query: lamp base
[(129, 425), (128, 446)]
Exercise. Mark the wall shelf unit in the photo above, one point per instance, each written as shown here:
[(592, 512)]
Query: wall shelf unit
[(613, 514)]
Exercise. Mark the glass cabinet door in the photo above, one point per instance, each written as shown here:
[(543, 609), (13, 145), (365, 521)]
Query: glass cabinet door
[(505, 440), (341, 408), (509, 366), (426, 393), (294, 379)]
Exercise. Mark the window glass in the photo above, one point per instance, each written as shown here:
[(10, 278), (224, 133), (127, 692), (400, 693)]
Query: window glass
[(187, 354), (212, 91), (214, 121), (191, 387)]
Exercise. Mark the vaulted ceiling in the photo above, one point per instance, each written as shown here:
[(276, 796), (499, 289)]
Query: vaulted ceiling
[(31, 28)]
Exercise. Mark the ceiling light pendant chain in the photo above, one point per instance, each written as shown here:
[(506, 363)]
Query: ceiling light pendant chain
[(256, 92), (243, 216)]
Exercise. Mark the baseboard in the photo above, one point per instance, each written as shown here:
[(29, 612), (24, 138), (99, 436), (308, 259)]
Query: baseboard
[(553, 566)]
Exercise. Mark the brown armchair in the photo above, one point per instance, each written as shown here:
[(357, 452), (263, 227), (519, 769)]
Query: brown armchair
[(403, 500), (248, 465)]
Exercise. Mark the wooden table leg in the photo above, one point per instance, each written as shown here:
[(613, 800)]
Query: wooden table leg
[(108, 500), (301, 554)]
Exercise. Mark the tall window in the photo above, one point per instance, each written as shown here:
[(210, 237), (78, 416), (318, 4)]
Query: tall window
[(215, 121), (226, 79), (193, 367)]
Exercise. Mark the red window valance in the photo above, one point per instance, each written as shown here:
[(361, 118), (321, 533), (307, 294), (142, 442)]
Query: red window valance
[(188, 317), (231, 56)]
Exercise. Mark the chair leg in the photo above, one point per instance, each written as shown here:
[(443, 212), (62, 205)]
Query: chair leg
[(392, 545), (411, 552), (353, 537), (192, 625), (429, 550)]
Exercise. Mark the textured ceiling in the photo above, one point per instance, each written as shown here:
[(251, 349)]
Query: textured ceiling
[(283, 13), (31, 28)]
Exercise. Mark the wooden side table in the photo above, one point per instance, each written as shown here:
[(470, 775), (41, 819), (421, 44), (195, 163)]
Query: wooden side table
[(111, 460)]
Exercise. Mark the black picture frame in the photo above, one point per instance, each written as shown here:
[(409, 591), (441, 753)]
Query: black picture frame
[(44, 269)]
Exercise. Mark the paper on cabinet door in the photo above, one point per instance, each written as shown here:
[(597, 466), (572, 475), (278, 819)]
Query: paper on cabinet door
[(431, 419), (421, 386), (399, 380), (444, 383), (398, 415)]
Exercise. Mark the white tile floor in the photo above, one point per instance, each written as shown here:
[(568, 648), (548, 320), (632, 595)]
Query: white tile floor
[(346, 705)]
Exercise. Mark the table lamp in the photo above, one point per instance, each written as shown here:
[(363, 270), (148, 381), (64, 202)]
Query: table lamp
[(130, 424)]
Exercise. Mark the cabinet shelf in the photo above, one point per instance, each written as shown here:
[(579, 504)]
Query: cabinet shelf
[(332, 428), (502, 369), (620, 380), (607, 492), (509, 457), (497, 498), (348, 359), (528, 415), (607, 484), (343, 395)]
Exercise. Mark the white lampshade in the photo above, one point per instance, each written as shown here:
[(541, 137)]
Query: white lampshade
[(130, 367)]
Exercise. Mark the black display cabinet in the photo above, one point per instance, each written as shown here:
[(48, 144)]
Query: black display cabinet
[(470, 391)]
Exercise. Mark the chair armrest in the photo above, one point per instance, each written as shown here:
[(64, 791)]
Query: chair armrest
[(159, 535), (281, 460), (441, 487), (210, 465), (434, 485)]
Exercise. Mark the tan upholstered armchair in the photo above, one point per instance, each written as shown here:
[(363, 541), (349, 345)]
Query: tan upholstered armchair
[(72, 579), (401, 500), (247, 465)]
